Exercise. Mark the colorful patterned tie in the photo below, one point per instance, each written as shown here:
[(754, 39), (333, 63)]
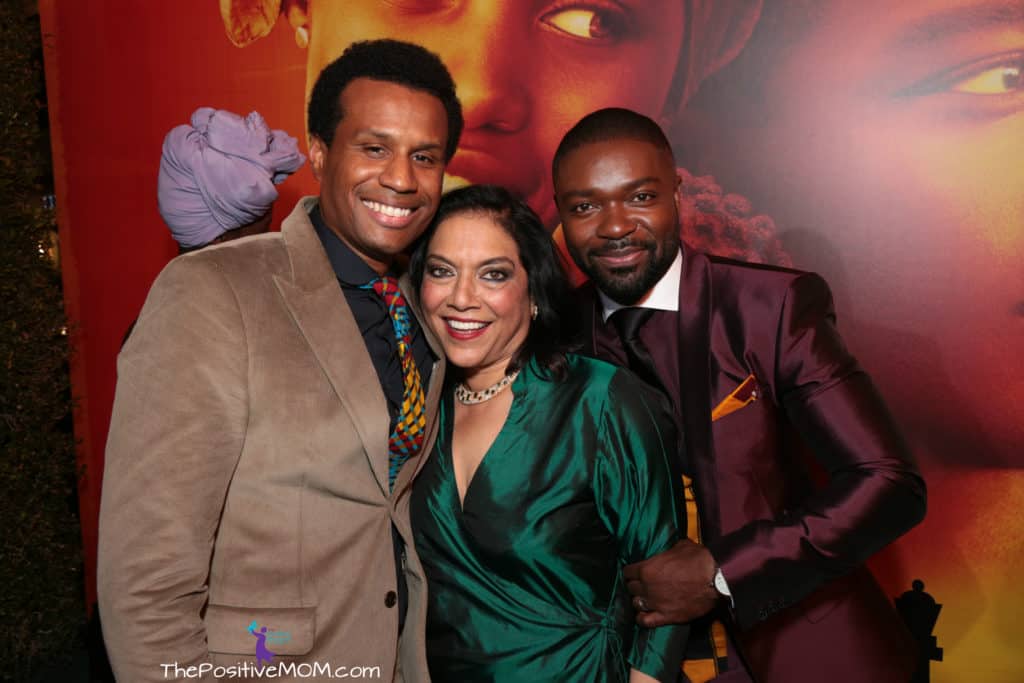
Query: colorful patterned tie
[(407, 437)]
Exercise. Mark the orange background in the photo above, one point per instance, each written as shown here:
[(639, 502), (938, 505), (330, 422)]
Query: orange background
[(120, 74)]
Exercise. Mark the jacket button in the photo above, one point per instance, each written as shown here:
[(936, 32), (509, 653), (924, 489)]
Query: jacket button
[(390, 599)]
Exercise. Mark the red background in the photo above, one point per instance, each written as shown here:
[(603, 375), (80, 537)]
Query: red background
[(120, 74)]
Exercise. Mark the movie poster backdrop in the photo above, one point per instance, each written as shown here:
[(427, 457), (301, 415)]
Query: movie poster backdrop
[(878, 143)]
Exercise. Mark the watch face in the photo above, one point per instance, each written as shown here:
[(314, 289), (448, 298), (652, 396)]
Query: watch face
[(720, 585)]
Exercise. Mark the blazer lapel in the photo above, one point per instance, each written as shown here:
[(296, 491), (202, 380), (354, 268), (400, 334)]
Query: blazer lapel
[(433, 395), (695, 300), (316, 303), (588, 301)]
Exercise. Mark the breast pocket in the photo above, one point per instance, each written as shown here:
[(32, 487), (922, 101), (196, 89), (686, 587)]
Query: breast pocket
[(283, 630), (743, 395)]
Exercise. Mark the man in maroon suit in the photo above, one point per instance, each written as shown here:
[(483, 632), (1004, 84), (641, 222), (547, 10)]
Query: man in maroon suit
[(759, 378)]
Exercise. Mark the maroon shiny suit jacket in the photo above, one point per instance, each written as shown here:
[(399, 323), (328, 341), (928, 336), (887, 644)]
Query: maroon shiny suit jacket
[(790, 544)]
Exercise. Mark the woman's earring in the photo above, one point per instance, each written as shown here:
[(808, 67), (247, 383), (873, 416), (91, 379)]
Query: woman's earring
[(533, 311), (301, 37)]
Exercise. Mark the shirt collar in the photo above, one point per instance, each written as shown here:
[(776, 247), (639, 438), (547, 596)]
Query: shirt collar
[(663, 296), (348, 267)]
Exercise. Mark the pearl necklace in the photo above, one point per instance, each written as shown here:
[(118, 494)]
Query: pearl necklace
[(468, 397)]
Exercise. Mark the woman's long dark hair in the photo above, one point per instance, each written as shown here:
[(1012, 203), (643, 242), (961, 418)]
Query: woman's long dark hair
[(552, 331)]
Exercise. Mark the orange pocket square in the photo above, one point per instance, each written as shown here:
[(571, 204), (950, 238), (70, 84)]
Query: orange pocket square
[(743, 395)]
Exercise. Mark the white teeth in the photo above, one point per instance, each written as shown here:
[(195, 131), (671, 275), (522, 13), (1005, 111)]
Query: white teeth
[(387, 210), (465, 326)]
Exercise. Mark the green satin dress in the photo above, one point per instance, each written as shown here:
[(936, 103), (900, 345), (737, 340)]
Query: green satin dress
[(525, 580)]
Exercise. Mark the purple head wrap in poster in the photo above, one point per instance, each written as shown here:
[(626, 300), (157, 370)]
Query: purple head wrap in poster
[(219, 173)]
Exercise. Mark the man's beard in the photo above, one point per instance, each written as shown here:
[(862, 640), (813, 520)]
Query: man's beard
[(628, 284)]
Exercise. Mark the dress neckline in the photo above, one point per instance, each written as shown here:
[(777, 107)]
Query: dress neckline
[(519, 390)]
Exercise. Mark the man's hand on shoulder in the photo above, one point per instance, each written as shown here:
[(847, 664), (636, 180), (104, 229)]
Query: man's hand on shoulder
[(673, 587)]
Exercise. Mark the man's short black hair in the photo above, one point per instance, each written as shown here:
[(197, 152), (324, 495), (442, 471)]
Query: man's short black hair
[(613, 123), (391, 61)]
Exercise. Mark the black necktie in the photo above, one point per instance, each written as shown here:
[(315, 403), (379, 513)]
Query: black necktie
[(706, 649), (628, 322)]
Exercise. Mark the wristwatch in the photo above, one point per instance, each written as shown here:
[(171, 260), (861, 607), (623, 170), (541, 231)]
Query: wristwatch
[(719, 584)]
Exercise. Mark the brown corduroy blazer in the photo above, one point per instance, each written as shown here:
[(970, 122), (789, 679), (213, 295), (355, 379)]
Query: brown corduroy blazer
[(246, 480)]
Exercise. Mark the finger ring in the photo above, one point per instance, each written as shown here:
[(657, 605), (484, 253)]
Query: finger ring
[(641, 604)]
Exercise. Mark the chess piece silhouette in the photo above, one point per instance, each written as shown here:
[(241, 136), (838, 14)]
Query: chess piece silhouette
[(920, 612)]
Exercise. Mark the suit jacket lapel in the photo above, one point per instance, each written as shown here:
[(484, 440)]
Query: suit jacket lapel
[(589, 302), (314, 298), (694, 376), (695, 300)]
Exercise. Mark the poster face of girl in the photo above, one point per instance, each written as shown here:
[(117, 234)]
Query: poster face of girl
[(883, 139), (519, 102), (886, 140)]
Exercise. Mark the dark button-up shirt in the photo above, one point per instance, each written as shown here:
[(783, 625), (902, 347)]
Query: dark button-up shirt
[(371, 314)]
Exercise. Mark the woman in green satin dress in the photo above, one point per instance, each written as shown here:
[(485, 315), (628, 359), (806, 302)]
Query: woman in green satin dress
[(551, 471)]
